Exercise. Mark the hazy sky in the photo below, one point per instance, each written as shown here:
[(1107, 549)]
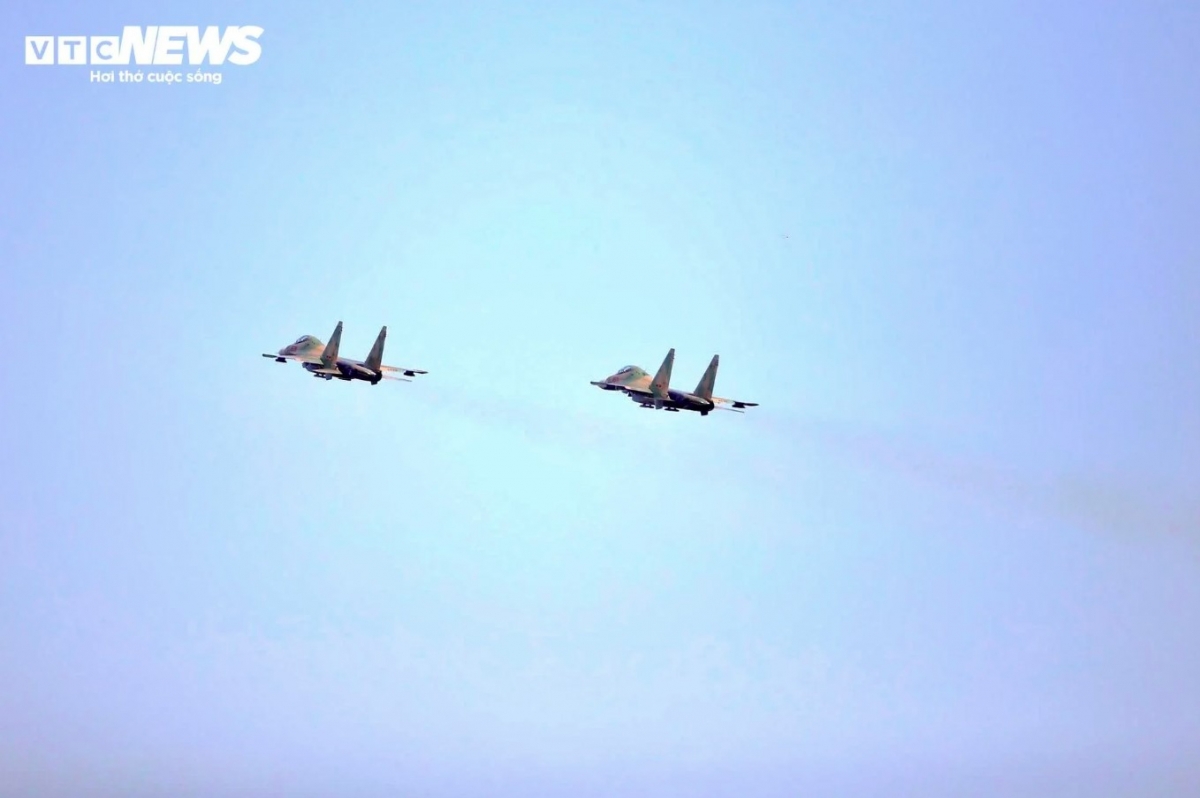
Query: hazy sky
[(952, 251)]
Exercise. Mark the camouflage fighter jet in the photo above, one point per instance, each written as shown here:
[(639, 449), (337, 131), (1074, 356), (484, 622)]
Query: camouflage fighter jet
[(657, 392), (322, 360)]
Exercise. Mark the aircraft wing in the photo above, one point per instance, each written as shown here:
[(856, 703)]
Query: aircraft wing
[(407, 372), (612, 386), (300, 358)]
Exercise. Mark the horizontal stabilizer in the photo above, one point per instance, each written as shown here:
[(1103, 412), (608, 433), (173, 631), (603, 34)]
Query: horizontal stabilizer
[(730, 404), (407, 372)]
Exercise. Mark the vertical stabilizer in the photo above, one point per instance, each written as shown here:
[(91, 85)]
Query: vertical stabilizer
[(330, 355), (662, 380), (375, 359), (704, 388)]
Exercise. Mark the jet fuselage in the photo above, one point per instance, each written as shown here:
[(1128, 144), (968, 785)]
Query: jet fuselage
[(346, 371), (676, 400)]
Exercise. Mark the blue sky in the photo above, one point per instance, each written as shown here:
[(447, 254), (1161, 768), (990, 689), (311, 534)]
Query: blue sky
[(951, 251)]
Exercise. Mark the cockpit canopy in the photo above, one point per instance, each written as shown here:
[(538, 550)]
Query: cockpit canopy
[(303, 339), (627, 369)]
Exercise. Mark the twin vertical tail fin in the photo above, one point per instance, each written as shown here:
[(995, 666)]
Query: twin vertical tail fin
[(374, 360), (704, 388), (662, 380), (330, 355)]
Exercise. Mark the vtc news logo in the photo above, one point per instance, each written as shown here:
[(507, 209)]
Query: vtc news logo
[(155, 45)]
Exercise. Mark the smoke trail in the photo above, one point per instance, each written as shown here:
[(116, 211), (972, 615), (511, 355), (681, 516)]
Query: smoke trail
[(1117, 507), (1112, 506)]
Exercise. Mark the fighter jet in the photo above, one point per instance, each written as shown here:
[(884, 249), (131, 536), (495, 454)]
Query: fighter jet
[(657, 392), (322, 360)]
